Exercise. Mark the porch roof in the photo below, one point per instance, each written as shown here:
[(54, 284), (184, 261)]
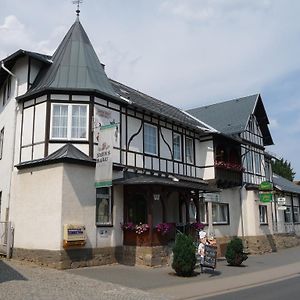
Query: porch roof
[(174, 181), (285, 185)]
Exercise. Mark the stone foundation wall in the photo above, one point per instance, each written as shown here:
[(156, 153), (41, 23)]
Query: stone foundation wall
[(71, 258), (146, 256), (261, 244)]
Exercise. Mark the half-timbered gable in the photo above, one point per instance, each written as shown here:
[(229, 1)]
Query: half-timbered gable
[(246, 121)]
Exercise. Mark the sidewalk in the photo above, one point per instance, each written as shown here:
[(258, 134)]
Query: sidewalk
[(24, 281), (257, 269)]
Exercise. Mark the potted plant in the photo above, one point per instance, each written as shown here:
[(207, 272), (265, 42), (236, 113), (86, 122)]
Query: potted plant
[(235, 252), (184, 259)]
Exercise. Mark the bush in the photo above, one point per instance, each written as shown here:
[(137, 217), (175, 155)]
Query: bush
[(184, 259), (235, 252)]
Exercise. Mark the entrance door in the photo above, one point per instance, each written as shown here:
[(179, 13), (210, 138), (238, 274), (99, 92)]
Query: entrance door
[(136, 210)]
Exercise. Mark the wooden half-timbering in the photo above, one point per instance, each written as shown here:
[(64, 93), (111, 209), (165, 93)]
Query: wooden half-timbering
[(38, 140)]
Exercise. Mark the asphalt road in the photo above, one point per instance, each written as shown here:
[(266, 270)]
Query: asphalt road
[(280, 290)]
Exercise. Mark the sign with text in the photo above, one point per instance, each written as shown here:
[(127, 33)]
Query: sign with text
[(266, 186), (104, 161), (265, 197)]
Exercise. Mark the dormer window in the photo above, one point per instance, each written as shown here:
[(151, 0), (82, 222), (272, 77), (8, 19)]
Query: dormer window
[(69, 121)]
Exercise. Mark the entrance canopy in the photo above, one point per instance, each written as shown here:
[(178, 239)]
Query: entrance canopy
[(172, 181)]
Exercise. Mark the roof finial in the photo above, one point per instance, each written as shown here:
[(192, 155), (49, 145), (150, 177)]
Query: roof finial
[(78, 3)]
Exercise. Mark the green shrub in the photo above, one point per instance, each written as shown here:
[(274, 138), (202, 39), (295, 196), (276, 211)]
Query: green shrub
[(235, 252), (184, 259)]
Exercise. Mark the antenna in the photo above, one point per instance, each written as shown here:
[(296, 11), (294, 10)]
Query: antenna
[(78, 4)]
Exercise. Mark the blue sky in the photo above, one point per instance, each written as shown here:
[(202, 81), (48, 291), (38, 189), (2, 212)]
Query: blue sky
[(188, 53)]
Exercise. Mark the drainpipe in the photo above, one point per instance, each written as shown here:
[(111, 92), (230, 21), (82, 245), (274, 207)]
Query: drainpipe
[(241, 211), (14, 136)]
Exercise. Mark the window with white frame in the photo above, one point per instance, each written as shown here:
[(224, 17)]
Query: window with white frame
[(189, 150), (263, 214), (150, 139), (103, 207), (1, 142), (220, 213), (203, 213), (177, 146), (69, 121)]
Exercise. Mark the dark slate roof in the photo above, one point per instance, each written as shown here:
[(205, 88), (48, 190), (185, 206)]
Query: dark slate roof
[(75, 67), (10, 61), (68, 153), (158, 107), (140, 179), (285, 185), (231, 117)]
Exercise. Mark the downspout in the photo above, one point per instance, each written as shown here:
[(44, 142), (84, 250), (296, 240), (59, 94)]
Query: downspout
[(241, 211), (14, 137)]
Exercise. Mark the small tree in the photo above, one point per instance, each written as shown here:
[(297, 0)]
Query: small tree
[(235, 252), (184, 259)]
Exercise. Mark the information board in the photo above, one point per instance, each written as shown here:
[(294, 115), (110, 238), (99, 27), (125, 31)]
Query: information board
[(210, 258)]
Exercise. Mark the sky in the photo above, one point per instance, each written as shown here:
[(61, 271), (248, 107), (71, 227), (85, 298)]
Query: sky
[(188, 53)]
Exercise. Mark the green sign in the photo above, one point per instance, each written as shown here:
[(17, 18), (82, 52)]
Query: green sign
[(266, 186), (265, 197)]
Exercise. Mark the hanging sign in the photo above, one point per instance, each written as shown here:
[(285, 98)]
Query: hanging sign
[(265, 197), (105, 137), (266, 186), (281, 200)]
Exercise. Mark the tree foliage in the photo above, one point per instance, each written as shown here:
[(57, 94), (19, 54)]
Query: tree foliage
[(283, 168)]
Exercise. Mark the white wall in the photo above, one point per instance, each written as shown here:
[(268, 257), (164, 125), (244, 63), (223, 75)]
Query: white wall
[(36, 208), (79, 206)]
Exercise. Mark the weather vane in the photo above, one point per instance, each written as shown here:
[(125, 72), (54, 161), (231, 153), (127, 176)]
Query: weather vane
[(78, 4)]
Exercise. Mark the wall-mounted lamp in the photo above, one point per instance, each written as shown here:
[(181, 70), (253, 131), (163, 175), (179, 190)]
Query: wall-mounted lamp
[(156, 197)]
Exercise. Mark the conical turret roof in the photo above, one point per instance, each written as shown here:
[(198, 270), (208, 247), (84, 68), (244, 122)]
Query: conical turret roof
[(75, 66)]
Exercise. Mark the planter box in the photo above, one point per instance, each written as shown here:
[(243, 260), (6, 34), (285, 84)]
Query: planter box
[(131, 238)]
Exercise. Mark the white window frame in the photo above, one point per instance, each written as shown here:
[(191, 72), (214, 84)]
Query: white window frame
[(69, 122), (177, 135), (263, 214), (104, 194), (220, 206), (156, 139), (1, 142), (203, 207), (187, 159)]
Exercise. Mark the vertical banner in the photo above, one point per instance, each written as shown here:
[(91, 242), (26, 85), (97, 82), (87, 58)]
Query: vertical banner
[(105, 136)]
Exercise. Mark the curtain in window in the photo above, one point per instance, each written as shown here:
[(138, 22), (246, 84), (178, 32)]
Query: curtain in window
[(189, 150), (150, 139), (177, 146), (60, 121), (79, 115)]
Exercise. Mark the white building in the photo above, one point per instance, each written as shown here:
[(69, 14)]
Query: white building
[(165, 164)]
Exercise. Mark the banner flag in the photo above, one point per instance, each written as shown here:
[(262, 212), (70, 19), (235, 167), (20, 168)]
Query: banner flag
[(105, 136)]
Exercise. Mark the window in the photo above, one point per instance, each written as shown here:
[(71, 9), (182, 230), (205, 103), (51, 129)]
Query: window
[(150, 139), (69, 121), (296, 214), (6, 91), (189, 150), (103, 206), (288, 214), (1, 142), (177, 146), (203, 213), (220, 213), (263, 216)]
